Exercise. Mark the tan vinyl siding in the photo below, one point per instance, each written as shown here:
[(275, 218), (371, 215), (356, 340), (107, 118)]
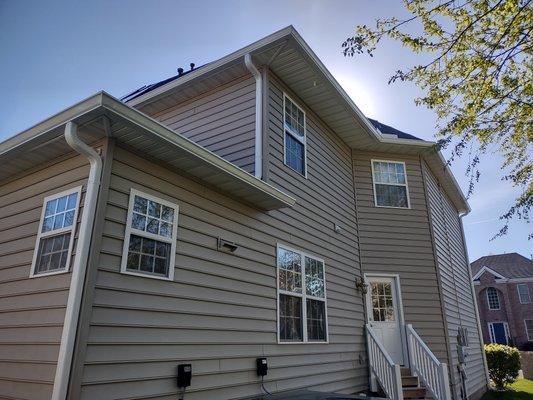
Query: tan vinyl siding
[(456, 285), (219, 313), (222, 120), (323, 199), (398, 241), (31, 310)]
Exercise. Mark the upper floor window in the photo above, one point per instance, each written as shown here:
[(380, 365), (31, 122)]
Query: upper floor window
[(390, 184), (150, 239), (302, 314), (53, 247), (294, 136), (493, 299), (529, 329), (523, 293)]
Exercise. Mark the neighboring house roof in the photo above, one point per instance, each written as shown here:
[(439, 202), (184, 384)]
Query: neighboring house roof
[(508, 265)]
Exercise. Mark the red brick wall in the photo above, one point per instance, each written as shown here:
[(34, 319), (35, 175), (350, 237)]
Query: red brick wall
[(511, 311)]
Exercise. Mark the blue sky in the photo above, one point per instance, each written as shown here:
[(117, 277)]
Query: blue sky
[(55, 53)]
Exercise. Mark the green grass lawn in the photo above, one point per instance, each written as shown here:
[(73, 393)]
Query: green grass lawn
[(522, 389)]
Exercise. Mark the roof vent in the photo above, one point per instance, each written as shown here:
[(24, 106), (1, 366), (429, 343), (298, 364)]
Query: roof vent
[(192, 66), (180, 71)]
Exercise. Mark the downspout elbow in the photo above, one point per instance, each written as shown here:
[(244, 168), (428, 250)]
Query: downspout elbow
[(79, 268), (258, 159)]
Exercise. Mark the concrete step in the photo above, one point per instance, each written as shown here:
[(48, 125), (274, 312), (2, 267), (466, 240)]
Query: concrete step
[(414, 393), (410, 381)]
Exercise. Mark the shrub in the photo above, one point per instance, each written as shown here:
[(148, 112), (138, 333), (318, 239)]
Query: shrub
[(503, 363)]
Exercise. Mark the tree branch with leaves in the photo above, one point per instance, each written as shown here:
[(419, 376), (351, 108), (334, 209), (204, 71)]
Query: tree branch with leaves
[(478, 81)]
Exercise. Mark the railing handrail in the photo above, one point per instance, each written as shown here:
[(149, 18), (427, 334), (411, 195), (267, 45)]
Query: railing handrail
[(411, 330), (439, 387), (378, 343), (387, 373)]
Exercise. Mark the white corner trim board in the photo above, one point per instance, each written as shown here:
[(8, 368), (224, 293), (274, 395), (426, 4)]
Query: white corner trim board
[(79, 268), (258, 167)]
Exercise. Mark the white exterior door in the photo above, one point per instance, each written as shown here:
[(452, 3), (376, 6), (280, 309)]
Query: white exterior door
[(384, 314)]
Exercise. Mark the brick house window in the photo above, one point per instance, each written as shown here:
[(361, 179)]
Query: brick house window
[(493, 299), (523, 293)]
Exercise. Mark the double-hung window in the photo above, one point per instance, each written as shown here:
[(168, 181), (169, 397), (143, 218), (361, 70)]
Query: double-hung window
[(523, 293), (294, 136), (390, 184), (493, 299), (302, 311), (53, 248), (150, 240)]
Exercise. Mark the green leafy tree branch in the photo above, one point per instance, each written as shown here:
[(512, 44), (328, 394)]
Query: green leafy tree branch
[(479, 81)]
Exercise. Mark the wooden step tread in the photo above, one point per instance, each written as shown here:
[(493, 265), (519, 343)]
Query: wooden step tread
[(410, 381), (414, 393)]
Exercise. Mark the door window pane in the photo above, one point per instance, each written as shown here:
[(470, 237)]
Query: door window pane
[(382, 302)]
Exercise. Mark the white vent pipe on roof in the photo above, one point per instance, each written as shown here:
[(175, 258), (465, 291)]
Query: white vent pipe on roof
[(258, 159), (79, 268)]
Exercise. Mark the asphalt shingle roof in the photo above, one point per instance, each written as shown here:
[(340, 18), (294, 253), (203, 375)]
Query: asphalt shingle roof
[(510, 265)]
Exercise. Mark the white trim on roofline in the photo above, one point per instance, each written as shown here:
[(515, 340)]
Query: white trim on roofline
[(490, 271)]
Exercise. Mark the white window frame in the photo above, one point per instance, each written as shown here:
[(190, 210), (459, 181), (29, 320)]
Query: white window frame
[(529, 338), (129, 231), (294, 135), (304, 296), (492, 335), (56, 232), (499, 300), (406, 184), (520, 294)]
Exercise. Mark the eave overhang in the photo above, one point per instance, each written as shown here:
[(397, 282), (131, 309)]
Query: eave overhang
[(131, 128)]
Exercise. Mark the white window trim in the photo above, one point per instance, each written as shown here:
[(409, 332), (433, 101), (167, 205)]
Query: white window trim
[(529, 338), (129, 231), (499, 300), (55, 232), (295, 136), (492, 335), (303, 296), (406, 184), (520, 296)]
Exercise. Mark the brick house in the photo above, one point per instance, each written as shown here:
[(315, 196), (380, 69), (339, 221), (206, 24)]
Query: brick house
[(504, 291)]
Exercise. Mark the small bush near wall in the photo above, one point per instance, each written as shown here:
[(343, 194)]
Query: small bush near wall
[(503, 363)]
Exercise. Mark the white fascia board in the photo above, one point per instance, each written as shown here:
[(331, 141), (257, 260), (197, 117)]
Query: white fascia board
[(490, 271)]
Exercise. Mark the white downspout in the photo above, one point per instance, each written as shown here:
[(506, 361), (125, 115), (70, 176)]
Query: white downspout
[(258, 167), (79, 268)]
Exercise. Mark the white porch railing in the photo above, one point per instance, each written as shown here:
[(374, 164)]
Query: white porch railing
[(427, 367), (383, 368)]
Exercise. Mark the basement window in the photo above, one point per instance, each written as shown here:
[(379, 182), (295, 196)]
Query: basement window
[(302, 308), (150, 239), (53, 247), (294, 136), (390, 184)]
